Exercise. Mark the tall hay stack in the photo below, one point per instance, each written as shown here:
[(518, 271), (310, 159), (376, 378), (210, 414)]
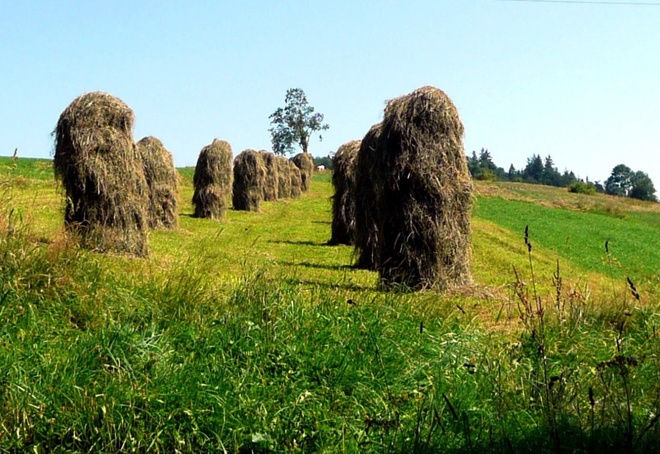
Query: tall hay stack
[(366, 223), (296, 180), (283, 177), (424, 193), (305, 163), (249, 178), (271, 182), (163, 181), (343, 200), (101, 171), (213, 180)]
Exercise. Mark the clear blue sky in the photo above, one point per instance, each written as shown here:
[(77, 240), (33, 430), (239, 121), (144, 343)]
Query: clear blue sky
[(580, 82)]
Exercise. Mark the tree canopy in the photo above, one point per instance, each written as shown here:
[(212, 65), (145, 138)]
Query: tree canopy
[(624, 182), (294, 123)]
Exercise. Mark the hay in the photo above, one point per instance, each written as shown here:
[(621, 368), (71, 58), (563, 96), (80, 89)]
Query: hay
[(249, 178), (271, 182), (423, 193), (366, 226), (213, 180), (296, 180), (305, 163), (343, 200), (102, 175), (283, 177), (163, 181)]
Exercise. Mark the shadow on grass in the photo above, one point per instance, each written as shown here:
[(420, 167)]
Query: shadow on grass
[(327, 285), (319, 266), (298, 243)]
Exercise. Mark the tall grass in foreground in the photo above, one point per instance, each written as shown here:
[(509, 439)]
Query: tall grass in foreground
[(167, 360), (89, 362)]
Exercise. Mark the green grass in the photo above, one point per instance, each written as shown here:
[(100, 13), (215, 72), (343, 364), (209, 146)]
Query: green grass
[(252, 335), (581, 237)]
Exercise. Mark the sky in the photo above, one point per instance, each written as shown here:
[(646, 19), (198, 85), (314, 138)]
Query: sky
[(577, 81)]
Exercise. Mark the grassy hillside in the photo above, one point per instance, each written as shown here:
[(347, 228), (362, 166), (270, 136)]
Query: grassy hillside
[(253, 335)]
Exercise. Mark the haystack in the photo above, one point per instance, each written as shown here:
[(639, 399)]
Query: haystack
[(366, 226), (296, 180), (102, 175), (249, 178), (343, 200), (271, 182), (305, 163), (283, 177), (423, 193), (163, 181), (213, 180)]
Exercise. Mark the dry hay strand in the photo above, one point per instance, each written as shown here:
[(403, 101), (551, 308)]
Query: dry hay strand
[(163, 181), (423, 193), (296, 180), (343, 200), (271, 182), (249, 178), (283, 177), (305, 163), (366, 225), (213, 180), (102, 175)]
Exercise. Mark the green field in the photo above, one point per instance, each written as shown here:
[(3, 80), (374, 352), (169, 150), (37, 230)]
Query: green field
[(252, 335)]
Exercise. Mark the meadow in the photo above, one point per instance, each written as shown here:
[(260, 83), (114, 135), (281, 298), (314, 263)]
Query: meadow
[(253, 335)]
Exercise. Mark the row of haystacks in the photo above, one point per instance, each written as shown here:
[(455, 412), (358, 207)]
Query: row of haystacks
[(408, 192), (250, 179), (115, 189)]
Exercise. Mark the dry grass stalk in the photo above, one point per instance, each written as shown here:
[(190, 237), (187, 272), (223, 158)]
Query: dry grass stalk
[(249, 178), (271, 182), (366, 226), (102, 174), (343, 200), (423, 193), (163, 181), (283, 177), (305, 163), (296, 180), (213, 180)]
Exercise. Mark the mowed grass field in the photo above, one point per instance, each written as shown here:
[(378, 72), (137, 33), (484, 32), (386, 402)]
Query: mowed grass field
[(252, 335)]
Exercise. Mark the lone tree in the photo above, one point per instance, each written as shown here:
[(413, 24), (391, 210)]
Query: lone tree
[(295, 123)]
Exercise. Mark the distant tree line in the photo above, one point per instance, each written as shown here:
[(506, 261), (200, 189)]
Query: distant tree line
[(622, 182)]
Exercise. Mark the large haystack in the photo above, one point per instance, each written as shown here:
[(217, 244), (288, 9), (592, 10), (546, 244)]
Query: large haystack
[(343, 201), (249, 178), (366, 226), (305, 163), (283, 177), (163, 181), (296, 180), (424, 193), (271, 182), (102, 175), (213, 180)]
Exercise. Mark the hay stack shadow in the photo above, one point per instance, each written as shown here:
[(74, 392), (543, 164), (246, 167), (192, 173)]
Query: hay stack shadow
[(102, 174)]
